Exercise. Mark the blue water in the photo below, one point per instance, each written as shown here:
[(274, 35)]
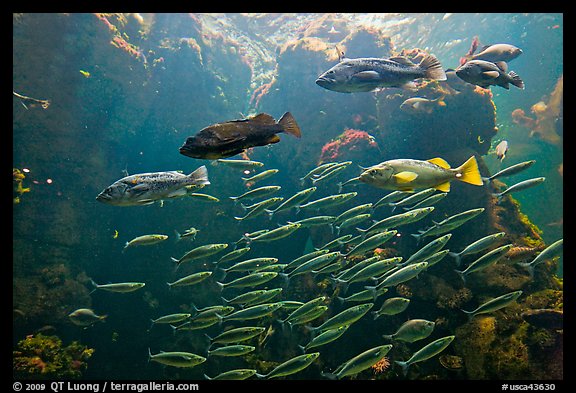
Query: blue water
[(126, 91)]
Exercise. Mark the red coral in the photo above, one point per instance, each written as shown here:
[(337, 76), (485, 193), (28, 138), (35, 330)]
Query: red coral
[(350, 140)]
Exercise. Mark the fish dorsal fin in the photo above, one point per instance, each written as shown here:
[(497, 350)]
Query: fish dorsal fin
[(405, 177), (367, 75), (440, 162), (263, 118), (484, 48), (491, 74), (444, 187), (402, 60)]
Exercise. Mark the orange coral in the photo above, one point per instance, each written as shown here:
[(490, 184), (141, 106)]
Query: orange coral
[(381, 366)]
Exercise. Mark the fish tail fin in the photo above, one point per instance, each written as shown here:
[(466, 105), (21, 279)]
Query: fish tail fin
[(178, 235), (529, 267), (432, 68), (94, 285), (456, 256), (469, 173), (404, 366), (200, 176), (329, 375), (302, 348), (516, 80), (289, 125), (149, 354), (462, 275), (389, 337), (469, 313)]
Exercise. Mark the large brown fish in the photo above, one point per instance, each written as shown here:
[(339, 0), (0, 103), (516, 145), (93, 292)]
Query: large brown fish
[(229, 138)]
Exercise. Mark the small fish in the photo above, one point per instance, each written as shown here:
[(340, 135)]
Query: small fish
[(275, 234), (145, 240), (498, 52), (171, 318), (501, 150), (425, 353), (448, 224), (511, 170), (236, 335), (291, 366), (147, 188), (85, 317), (346, 317), (233, 255), (392, 306), (325, 338), (477, 246), (336, 243), (314, 221), (369, 74), (259, 192), (408, 174), (250, 280), (362, 296), (428, 250), (306, 257), (413, 199), (191, 233), (399, 276), (251, 264), (485, 74), (115, 236), (259, 208), (122, 287), (519, 187), (331, 172), (417, 105), (431, 200), (317, 170), (229, 138), (204, 197), (397, 220), (260, 176), (233, 375), (200, 252), (371, 243), (85, 74), (352, 222), (232, 350), (191, 279), (360, 362), (315, 263), (176, 359), (412, 330), (548, 253), (304, 309), (253, 312), (394, 196), (494, 304), (240, 164), (360, 209), (329, 201), (371, 271), (294, 201)]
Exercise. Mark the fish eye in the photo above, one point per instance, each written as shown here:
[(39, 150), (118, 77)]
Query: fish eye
[(373, 172)]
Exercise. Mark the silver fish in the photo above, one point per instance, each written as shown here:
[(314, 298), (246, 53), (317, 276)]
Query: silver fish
[(176, 359), (425, 353), (477, 246), (511, 170), (494, 304), (519, 187), (548, 253), (85, 317), (147, 188), (360, 362), (412, 330), (291, 366)]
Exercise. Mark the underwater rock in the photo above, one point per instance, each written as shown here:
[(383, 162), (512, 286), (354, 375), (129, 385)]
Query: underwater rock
[(544, 318)]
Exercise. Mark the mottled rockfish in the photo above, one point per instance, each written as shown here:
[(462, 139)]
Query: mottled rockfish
[(227, 139), (485, 74), (408, 175), (146, 188), (368, 74)]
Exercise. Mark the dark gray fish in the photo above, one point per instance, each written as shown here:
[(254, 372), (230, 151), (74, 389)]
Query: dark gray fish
[(233, 137), (367, 73), (485, 74)]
